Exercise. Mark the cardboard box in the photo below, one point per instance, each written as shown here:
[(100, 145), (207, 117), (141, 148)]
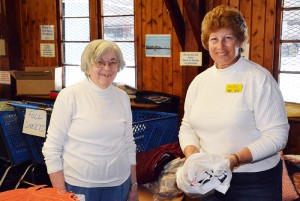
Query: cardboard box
[(38, 80)]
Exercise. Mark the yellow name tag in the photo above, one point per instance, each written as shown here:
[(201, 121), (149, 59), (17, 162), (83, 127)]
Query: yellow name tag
[(234, 88)]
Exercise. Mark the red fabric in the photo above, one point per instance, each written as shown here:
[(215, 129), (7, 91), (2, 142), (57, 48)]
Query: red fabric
[(150, 163), (53, 94), (37, 193)]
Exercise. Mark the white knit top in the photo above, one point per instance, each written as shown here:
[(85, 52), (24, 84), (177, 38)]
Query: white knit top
[(90, 136), (220, 122)]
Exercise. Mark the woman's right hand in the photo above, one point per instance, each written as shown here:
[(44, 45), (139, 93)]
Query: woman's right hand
[(63, 191), (58, 181), (133, 193), (190, 150)]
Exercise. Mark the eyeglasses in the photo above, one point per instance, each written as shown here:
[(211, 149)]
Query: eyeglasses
[(112, 64)]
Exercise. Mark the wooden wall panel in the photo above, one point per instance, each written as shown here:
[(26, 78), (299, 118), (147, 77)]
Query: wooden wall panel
[(220, 2), (4, 32), (177, 69), (95, 31), (157, 62), (234, 4), (246, 10), (269, 42), (189, 72), (10, 34), (162, 74), (138, 40), (33, 14), (257, 35), (146, 61), (156, 73), (167, 80)]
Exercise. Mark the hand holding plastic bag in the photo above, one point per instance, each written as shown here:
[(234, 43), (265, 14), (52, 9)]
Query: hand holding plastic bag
[(203, 173)]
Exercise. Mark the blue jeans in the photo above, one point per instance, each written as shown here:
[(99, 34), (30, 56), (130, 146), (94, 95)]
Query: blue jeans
[(114, 193), (253, 186)]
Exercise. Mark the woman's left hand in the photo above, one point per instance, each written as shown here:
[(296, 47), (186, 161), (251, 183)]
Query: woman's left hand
[(232, 161), (133, 194)]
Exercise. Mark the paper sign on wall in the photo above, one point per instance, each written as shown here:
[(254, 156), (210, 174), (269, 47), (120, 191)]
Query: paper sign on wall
[(47, 32), (2, 47), (5, 77), (47, 50), (190, 58), (35, 122)]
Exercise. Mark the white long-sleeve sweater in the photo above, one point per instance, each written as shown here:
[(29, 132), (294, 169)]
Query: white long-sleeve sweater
[(220, 122), (90, 136)]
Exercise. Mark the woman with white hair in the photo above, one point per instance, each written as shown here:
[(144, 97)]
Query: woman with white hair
[(90, 147)]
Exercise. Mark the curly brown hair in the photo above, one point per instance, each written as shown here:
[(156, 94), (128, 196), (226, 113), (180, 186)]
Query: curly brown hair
[(224, 16)]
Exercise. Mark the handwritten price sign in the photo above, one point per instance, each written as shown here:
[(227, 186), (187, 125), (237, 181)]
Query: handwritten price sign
[(35, 122)]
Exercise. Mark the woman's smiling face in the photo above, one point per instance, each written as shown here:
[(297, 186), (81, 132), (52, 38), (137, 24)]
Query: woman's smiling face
[(103, 72), (223, 47)]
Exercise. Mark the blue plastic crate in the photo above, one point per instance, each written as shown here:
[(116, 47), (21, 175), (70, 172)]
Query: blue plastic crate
[(35, 143), (16, 149), (152, 129)]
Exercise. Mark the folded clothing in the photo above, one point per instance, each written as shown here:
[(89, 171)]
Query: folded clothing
[(203, 173), (166, 188), (151, 163), (53, 93)]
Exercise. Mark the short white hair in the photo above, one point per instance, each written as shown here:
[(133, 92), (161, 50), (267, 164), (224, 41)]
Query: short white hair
[(97, 49)]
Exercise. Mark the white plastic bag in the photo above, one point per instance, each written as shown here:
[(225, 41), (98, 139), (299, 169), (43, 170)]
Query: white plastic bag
[(203, 173)]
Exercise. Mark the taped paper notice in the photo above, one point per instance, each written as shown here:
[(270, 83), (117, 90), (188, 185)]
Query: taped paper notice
[(47, 32), (190, 58), (47, 50), (35, 122), (2, 47), (5, 77)]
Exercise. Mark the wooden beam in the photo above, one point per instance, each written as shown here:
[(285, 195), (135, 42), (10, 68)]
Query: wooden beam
[(177, 20), (195, 10)]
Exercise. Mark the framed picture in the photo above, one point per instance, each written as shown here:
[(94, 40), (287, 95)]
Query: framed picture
[(158, 45)]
